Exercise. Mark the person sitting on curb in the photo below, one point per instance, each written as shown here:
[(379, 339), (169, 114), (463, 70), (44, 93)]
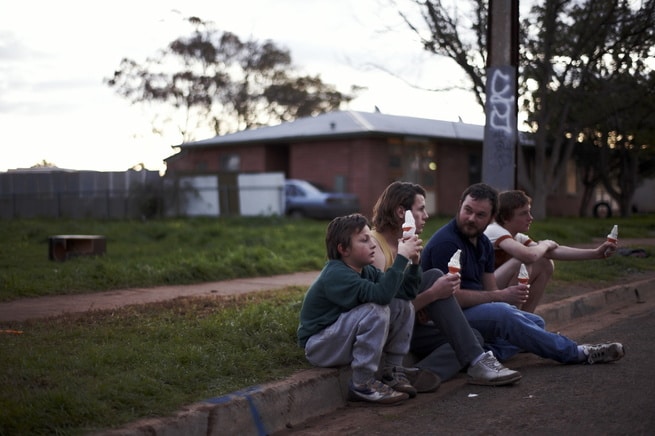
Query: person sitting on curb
[(513, 247), (353, 313), (493, 312), (443, 341)]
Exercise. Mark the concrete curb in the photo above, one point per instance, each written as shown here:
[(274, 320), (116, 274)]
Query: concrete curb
[(257, 410), (562, 312), (265, 409)]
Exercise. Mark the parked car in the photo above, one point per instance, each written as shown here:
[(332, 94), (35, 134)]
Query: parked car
[(306, 199)]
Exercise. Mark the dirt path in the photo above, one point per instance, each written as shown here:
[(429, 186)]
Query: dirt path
[(40, 307)]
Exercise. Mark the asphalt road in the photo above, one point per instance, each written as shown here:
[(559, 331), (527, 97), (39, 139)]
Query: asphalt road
[(608, 399)]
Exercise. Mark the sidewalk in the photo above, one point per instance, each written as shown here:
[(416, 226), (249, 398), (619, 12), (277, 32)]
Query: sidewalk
[(40, 307)]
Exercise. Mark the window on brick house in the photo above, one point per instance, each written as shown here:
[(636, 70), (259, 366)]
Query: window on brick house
[(475, 169), (413, 161)]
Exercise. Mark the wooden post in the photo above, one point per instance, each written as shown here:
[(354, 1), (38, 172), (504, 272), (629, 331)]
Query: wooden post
[(500, 133)]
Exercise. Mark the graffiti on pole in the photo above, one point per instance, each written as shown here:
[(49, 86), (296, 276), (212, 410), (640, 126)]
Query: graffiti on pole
[(499, 152)]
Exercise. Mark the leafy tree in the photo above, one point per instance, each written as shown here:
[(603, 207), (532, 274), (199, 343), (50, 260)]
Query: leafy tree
[(216, 80), (615, 137), (566, 48)]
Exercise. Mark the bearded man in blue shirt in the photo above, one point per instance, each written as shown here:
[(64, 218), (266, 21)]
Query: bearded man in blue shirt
[(493, 312)]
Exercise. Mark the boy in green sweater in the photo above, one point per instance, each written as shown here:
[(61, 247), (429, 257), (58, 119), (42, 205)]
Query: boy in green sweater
[(354, 314)]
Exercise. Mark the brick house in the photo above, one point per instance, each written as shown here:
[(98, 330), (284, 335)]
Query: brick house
[(348, 151)]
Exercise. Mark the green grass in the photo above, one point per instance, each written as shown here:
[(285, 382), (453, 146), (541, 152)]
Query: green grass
[(73, 375), (141, 254), (77, 374)]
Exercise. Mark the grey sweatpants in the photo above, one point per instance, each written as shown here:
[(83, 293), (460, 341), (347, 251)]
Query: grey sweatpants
[(361, 336)]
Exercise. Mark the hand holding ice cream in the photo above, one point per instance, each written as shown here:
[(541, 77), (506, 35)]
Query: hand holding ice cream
[(612, 238), (409, 226), (453, 264), (411, 248)]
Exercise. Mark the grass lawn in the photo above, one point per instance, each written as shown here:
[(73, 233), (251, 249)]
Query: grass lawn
[(76, 374)]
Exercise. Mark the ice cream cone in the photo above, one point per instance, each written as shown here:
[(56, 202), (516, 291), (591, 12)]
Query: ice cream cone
[(613, 237), (524, 277), (409, 226), (453, 264)]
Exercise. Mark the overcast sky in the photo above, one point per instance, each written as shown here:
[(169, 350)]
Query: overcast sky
[(55, 54)]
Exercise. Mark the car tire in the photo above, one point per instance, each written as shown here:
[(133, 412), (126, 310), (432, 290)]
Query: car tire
[(296, 214), (602, 210)]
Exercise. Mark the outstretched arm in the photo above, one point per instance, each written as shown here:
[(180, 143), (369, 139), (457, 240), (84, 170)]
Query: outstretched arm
[(563, 252)]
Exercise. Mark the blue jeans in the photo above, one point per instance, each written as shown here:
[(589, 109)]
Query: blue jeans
[(507, 331)]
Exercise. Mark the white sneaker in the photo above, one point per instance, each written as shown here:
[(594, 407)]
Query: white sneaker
[(376, 392), (490, 372), (603, 353)]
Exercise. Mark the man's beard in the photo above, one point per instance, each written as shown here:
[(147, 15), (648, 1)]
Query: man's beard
[(469, 230)]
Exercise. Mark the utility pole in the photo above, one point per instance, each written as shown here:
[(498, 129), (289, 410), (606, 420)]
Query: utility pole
[(500, 134)]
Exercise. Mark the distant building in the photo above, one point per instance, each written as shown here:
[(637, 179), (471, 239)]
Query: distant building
[(348, 151), (360, 152)]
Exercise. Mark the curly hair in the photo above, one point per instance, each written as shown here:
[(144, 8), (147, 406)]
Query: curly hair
[(482, 191)]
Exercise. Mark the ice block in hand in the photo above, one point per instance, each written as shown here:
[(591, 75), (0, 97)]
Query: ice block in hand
[(453, 264), (524, 277), (409, 226)]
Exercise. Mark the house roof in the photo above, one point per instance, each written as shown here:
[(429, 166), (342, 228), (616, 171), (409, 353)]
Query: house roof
[(348, 123)]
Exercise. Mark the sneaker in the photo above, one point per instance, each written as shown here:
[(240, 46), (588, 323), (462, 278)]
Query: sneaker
[(423, 380), (603, 353), (490, 372), (395, 378), (376, 392)]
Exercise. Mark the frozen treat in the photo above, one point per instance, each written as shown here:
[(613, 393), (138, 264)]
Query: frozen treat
[(453, 263), (524, 277), (409, 226), (612, 237)]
